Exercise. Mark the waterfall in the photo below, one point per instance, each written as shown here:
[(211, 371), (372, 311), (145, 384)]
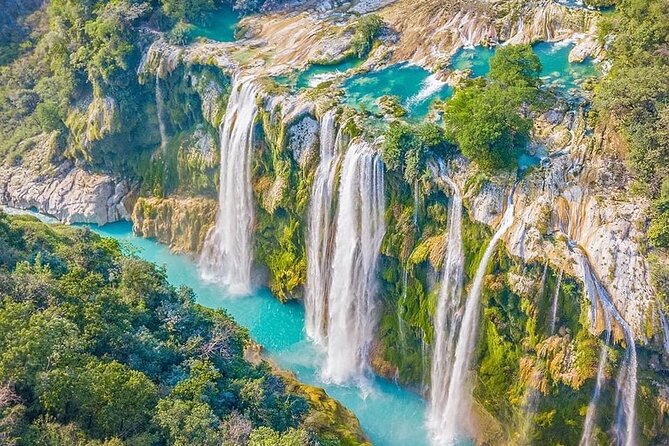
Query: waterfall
[(160, 112), (446, 319), (554, 305), (320, 232), (589, 423), (624, 424), (665, 331), (401, 325), (359, 232), (227, 253), (459, 399)]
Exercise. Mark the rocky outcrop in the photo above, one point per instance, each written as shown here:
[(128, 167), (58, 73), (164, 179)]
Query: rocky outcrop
[(69, 193), (454, 24), (578, 198), (181, 223)]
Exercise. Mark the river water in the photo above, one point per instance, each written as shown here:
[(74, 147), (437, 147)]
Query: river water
[(390, 415)]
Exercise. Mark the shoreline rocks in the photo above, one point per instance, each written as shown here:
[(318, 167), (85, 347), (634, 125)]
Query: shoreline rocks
[(70, 194)]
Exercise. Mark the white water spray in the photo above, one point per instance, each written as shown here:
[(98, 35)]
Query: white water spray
[(160, 112), (625, 420), (446, 321), (227, 253), (320, 233), (665, 331), (554, 305), (360, 230), (457, 411)]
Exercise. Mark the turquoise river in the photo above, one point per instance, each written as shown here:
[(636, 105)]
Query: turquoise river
[(390, 415)]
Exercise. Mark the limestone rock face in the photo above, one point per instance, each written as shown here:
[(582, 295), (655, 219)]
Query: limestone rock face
[(70, 194), (577, 198), (586, 47), (181, 223)]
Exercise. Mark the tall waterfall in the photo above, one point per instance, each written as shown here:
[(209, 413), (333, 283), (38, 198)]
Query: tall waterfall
[(625, 418), (227, 253), (459, 399), (320, 232), (446, 321), (359, 232)]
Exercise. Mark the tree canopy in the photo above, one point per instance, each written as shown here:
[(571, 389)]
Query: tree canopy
[(485, 118), (97, 348)]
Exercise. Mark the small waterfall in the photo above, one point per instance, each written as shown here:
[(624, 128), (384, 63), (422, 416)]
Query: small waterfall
[(320, 233), (401, 325), (665, 331), (589, 423), (416, 203), (360, 230), (160, 112), (227, 253), (625, 419), (430, 87), (459, 399), (446, 321), (554, 305)]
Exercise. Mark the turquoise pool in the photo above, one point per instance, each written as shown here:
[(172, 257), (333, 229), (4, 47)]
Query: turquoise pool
[(415, 87), (219, 26)]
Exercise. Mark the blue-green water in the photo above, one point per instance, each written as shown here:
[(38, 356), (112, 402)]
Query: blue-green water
[(390, 415), (219, 26), (556, 71), (476, 59), (414, 86), (318, 73)]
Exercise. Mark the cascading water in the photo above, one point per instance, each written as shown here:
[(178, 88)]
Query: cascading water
[(554, 305), (360, 230), (401, 325), (457, 410), (227, 253), (160, 112), (625, 419), (446, 320), (665, 330), (320, 231)]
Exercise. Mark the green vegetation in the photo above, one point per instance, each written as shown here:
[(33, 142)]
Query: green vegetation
[(484, 118), (97, 348), (408, 147), (634, 96), (367, 29)]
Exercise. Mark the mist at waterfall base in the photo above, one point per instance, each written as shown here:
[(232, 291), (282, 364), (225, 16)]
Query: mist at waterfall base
[(389, 415)]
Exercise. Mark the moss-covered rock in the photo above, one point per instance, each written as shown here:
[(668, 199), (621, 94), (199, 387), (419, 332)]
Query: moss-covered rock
[(181, 223)]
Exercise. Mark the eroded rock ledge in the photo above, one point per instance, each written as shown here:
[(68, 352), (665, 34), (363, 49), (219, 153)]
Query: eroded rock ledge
[(69, 193), (181, 223)]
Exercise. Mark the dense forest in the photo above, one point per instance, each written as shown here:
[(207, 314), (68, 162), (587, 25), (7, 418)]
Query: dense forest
[(96, 348)]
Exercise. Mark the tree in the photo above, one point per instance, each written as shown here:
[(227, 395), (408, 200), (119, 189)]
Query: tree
[(187, 10), (515, 66), (367, 29), (483, 122), (188, 423), (407, 147), (485, 119)]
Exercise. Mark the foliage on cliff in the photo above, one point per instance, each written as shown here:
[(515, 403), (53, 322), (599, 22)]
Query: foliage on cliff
[(97, 348), (485, 118), (635, 93)]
